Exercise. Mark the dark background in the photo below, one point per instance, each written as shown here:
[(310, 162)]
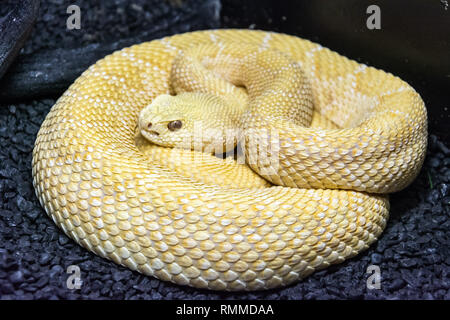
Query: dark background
[(413, 43)]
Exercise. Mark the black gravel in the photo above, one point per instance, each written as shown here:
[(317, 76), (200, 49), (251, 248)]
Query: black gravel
[(413, 253)]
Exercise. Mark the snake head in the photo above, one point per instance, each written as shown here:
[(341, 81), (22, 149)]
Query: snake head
[(188, 121), (162, 123)]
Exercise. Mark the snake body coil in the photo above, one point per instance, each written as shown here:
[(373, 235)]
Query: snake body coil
[(194, 219)]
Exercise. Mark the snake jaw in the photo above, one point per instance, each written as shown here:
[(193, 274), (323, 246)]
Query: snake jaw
[(147, 127)]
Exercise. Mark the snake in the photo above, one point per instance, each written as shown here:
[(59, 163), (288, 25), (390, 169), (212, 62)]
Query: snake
[(117, 164)]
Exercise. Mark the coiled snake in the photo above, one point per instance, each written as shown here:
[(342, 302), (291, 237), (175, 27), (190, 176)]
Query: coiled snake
[(344, 136)]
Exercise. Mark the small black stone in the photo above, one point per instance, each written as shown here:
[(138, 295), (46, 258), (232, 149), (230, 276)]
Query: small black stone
[(433, 196), (428, 296), (45, 258), (55, 271), (4, 255), (434, 162), (396, 284), (376, 258), (8, 172), (22, 204), (447, 260), (423, 239), (118, 287), (443, 189), (143, 285), (154, 283), (6, 287), (16, 277), (433, 258), (33, 214), (408, 263), (12, 109), (63, 240), (43, 280), (24, 241)]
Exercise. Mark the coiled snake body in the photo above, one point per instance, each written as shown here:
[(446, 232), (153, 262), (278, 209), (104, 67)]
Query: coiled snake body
[(346, 135)]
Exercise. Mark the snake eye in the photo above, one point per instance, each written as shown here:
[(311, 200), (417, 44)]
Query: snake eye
[(174, 125), (149, 125)]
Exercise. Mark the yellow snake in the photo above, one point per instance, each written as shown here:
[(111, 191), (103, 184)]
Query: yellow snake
[(344, 136)]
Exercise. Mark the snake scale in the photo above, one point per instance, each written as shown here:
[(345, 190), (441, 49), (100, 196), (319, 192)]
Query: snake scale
[(347, 134)]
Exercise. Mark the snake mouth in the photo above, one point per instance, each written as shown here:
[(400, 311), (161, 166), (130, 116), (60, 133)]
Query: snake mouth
[(153, 132), (150, 135)]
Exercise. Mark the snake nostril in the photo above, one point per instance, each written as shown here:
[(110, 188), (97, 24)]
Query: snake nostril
[(149, 125)]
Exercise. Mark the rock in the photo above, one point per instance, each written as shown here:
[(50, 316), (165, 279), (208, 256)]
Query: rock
[(22, 204), (376, 258), (16, 277), (15, 28), (408, 263), (33, 214), (50, 72), (63, 240), (6, 288), (45, 258), (396, 284)]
